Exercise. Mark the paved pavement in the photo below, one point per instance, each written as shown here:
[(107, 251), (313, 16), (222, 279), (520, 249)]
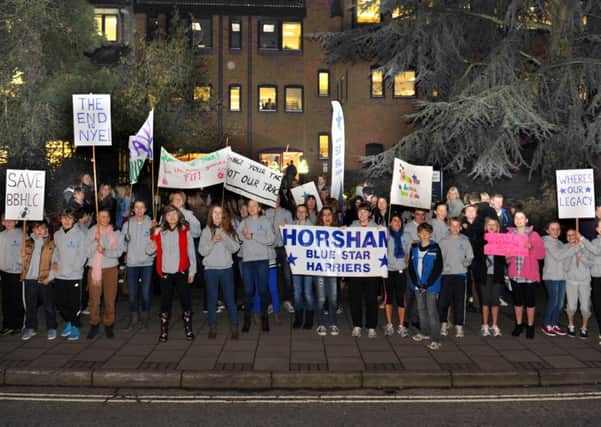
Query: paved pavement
[(287, 358)]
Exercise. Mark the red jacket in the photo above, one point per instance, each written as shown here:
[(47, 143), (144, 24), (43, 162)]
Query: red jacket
[(184, 262)]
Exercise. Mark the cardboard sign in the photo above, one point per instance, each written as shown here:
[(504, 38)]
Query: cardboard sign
[(200, 172), (301, 192), (92, 120), (575, 193), (411, 185), (252, 179), (336, 252), (25, 195), (506, 244)]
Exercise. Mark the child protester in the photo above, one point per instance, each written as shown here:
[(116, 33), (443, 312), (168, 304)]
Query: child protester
[(10, 270), (36, 275), (425, 268), (70, 254), (457, 255), (303, 287), (218, 243), (595, 248), (578, 285), (492, 270), (439, 222), (326, 285)]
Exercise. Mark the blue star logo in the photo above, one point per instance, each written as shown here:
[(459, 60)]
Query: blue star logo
[(292, 259), (306, 195), (562, 191), (383, 261), (588, 189), (339, 121)]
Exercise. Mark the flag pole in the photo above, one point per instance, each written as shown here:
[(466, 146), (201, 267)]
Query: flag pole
[(152, 102), (227, 143)]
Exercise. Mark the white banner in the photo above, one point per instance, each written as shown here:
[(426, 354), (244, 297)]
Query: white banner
[(200, 172), (25, 194), (301, 192), (411, 185), (92, 120), (333, 251), (252, 179), (337, 187), (575, 193)]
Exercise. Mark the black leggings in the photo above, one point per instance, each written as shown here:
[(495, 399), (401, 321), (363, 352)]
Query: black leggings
[(396, 285), (169, 284), (523, 294)]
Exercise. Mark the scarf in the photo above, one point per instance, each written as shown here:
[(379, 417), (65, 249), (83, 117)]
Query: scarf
[(399, 252), (97, 260)]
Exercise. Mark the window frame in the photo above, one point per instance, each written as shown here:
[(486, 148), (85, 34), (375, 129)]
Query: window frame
[(319, 135), (320, 71), (276, 28), (371, 84), (281, 35), (267, 86), (231, 32), (103, 26), (302, 89), (394, 94), (356, 16), (229, 97), (198, 19)]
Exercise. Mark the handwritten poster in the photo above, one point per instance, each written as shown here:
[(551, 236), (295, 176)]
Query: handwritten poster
[(575, 193), (92, 120), (25, 194)]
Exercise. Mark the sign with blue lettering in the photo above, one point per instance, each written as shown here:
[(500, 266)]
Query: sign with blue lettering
[(575, 193), (336, 252), (92, 120)]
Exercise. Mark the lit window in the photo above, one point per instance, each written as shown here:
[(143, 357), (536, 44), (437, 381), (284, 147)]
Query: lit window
[(294, 99), (324, 146), (202, 34), (106, 26), (268, 98), (202, 93), (57, 151), (323, 83), (235, 93), (235, 34), (377, 84), (291, 35), (3, 156), (268, 35), (368, 11), (404, 84)]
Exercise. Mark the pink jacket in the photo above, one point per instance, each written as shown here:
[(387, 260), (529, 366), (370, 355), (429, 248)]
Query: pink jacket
[(530, 268)]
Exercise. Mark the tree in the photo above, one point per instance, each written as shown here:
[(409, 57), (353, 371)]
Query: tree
[(502, 85)]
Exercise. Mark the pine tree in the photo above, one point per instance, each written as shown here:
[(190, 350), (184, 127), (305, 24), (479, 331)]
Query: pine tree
[(502, 85)]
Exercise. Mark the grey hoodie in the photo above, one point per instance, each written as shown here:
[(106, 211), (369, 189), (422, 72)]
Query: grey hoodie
[(34, 264), (70, 253), (217, 256), (137, 237), (556, 252), (457, 254), (170, 252), (193, 222), (110, 257), (440, 230), (594, 252), (580, 271), (10, 251), (398, 264), (276, 217), (258, 247)]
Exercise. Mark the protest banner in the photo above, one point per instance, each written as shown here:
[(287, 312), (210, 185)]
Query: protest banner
[(505, 244), (301, 192), (92, 120), (411, 185), (336, 252), (201, 172), (24, 199), (252, 179), (141, 148), (338, 142), (575, 193)]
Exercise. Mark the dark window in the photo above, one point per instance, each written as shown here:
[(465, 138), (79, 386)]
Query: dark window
[(268, 34), (235, 33), (294, 99), (323, 83), (373, 148), (268, 98), (202, 33), (235, 98)]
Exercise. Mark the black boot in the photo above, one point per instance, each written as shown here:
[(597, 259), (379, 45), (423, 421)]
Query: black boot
[(108, 331), (188, 325), (164, 327), (308, 320), (517, 331), (246, 324), (298, 319), (265, 323), (530, 332), (93, 331)]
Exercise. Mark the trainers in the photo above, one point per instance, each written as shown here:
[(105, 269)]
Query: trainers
[(388, 330), (322, 331), (496, 332), (459, 331), (571, 331), (502, 302), (548, 331), (66, 330), (420, 337), (434, 345), (356, 331), (334, 330), (51, 334), (371, 333), (559, 331), (5, 331), (28, 334), (85, 311), (74, 336), (583, 333), (485, 331), (444, 329), (288, 307), (402, 331)]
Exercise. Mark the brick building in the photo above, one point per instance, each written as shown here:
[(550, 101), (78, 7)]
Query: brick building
[(270, 84)]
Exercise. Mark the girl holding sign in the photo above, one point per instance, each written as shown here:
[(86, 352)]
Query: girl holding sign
[(10, 270), (327, 286), (524, 274)]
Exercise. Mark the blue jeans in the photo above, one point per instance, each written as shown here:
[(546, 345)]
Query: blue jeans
[(255, 273), (556, 291), (273, 291), (224, 278), (326, 288), (303, 285), (133, 275)]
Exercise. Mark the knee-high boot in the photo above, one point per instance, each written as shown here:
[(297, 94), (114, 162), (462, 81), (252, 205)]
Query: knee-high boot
[(164, 327), (187, 316)]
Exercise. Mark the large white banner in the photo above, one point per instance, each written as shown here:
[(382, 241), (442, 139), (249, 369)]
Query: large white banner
[(411, 185), (203, 171), (337, 187), (92, 120), (301, 192), (25, 194), (332, 251), (252, 179), (575, 193)]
